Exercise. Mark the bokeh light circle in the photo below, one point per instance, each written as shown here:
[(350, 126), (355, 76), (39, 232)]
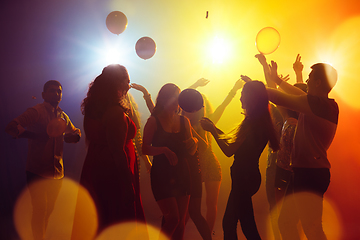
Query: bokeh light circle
[(343, 51), (131, 231), (332, 225), (145, 47), (61, 224), (267, 40), (116, 22)]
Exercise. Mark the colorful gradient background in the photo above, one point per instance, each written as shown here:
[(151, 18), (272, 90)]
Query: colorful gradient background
[(68, 41)]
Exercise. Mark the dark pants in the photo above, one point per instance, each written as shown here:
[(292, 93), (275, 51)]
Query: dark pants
[(310, 184), (239, 206), (43, 192)]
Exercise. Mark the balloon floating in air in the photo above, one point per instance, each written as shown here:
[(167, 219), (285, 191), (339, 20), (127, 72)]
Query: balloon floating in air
[(145, 47), (190, 100), (267, 40), (56, 127), (116, 22)]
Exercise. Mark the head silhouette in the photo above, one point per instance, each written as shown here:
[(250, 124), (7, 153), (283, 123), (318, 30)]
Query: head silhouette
[(167, 99), (254, 99), (322, 78), (109, 88)]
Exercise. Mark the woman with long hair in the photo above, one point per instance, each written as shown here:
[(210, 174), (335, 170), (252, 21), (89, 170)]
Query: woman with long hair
[(168, 137), (110, 171), (246, 144)]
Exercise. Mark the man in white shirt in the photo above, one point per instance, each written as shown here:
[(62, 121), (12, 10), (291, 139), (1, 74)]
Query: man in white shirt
[(45, 153), (315, 131)]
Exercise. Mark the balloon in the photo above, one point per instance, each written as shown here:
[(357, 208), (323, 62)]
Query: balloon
[(56, 127), (145, 48), (116, 22), (190, 100), (267, 40)]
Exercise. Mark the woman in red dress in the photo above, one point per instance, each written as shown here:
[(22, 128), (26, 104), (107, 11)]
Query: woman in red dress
[(110, 171)]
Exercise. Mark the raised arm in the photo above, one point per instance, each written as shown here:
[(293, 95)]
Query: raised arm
[(200, 83), (285, 86), (266, 69), (147, 97), (216, 115)]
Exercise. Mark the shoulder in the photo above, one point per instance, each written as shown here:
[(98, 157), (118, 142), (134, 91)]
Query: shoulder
[(324, 107)]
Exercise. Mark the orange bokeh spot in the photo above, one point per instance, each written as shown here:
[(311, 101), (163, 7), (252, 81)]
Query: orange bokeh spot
[(131, 231), (330, 219), (60, 223)]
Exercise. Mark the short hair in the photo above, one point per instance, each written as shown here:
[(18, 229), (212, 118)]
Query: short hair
[(49, 83), (326, 73)]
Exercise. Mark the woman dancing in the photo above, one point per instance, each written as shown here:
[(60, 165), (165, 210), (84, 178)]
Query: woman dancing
[(168, 137), (246, 145)]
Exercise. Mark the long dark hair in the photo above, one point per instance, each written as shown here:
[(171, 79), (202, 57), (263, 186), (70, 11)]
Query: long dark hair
[(165, 94), (108, 89), (257, 110)]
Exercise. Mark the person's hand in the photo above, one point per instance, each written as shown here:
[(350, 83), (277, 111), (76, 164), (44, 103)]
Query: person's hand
[(207, 124), (245, 78), (298, 66), (171, 156), (238, 84), (261, 58), (139, 88), (191, 144), (273, 73), (201, 82), (284, 78)]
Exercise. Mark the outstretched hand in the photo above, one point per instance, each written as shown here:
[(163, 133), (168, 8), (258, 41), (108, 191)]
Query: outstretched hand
[(139, 88), (262, 59), (273, 73), (201, 82), (284, 78)]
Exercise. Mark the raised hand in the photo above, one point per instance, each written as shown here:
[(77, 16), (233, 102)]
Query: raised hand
[(298, 66), (261, 58), (284, 78), (139, 88), (273, 73), (245, 78), (200, 83)]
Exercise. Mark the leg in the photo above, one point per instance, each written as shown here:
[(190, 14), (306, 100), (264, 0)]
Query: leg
[(230, 220), (271, 197), (52, 191), (182, 204), (288, 218), (198, 219), (212, 189), (244, 186), (309, 187), (169, 209)]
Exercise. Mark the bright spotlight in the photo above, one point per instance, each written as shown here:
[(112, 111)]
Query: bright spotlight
[(219, 50), (112, 56)]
